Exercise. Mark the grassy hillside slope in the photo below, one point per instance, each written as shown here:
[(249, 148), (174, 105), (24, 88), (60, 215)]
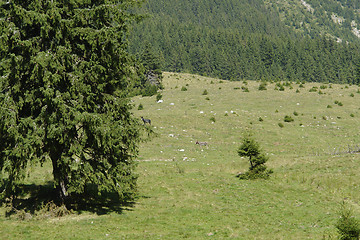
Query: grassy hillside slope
[(190, 191)]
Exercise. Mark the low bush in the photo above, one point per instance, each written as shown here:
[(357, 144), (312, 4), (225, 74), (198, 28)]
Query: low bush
[(149, 90), (262, 86), (288, 119), (347, 225), (158, 97), (257, 159)]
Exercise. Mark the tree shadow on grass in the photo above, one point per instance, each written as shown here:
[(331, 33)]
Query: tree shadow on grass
[(39, 199), (100, 204)]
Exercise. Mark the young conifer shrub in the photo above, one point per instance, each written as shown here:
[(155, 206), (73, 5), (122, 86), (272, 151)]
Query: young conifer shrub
[(262, 86), (288, 118), (347, 226), (158, 97), (245, 89), (313, 89), (250, 149), (141, 107)]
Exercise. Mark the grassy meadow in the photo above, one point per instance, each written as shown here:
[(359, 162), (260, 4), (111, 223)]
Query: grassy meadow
[(190, 191)]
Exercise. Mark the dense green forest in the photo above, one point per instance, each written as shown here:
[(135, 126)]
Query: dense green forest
[(250, 39)]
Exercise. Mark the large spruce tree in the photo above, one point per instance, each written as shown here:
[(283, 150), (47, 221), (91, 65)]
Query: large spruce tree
[(65, 77)]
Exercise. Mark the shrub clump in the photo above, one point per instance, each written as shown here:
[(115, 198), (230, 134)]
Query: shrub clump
[(149, 90), (348, 226), (158, 97), (313, 89), (288, 118), (245, 89), (338, 103), (183, 89), (257, 159), (262, 86), (141, 107)]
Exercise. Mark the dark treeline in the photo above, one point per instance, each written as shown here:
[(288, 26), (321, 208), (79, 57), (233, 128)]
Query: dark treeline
[(240, 40)]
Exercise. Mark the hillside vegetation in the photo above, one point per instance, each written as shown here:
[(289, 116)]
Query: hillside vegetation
[(252, 39), (190, 191), (337, 19)]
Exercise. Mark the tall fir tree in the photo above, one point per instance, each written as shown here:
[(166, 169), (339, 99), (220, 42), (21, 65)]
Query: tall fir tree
[(65, 78)]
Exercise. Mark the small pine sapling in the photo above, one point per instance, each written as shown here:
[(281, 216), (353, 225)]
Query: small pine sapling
[(347, 226), (257, 159)]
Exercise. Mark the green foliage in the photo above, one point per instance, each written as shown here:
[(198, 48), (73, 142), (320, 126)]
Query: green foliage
[(205, 92), (65, 80), (158, 97), (212, 119), (149, 90), (288, 118), (251, 149), (245, 89), (281, 125), (250, 40), (262, 86), (183, 88), (323, 87), (313, 89), (141, 107), (348, 226)]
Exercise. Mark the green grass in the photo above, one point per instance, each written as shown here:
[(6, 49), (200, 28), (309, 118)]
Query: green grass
[(190, 191)]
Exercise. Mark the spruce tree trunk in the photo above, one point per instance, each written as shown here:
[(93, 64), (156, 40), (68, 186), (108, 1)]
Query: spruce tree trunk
[(251, 163), (60, 177)]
